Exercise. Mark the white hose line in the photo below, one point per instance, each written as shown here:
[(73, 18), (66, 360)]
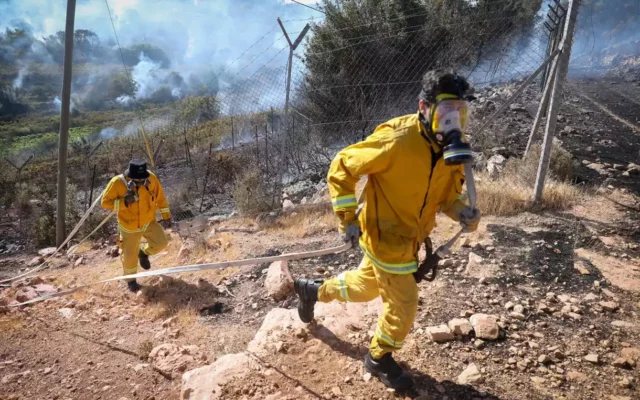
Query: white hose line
[(71, 235), (104, 221), (198, 267)]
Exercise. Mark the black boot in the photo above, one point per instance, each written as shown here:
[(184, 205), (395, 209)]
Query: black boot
[(144, 260), (388, 371), (133, 286), (307, 290)]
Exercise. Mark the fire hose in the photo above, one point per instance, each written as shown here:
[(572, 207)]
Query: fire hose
[(441, 252)]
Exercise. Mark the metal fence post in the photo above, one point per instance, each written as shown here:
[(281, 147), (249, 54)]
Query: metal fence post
[(292, 49), (556, 97)]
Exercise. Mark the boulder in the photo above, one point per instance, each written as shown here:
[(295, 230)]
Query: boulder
[(485, 326), (279, 283), (279, 325), (172, 360), (205, 382)]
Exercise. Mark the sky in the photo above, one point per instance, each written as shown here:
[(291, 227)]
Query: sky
[(192, 32)]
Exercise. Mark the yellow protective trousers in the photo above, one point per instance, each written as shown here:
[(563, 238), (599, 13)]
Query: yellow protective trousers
[(130, 245), (399, 295)]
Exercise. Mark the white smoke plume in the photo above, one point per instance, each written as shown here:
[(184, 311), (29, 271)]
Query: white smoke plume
[(17, 83)]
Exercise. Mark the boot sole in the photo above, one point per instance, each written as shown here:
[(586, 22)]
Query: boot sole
[(385, 381)]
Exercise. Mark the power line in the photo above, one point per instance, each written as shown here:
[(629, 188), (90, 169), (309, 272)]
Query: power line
[(130, 78), (308, 6)]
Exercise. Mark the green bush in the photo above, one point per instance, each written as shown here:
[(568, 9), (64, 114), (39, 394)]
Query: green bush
[(251, 194)]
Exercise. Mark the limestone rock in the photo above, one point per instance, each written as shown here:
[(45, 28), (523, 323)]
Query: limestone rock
[(26, 294), (278, 283), (592, 358), (622, 324), (621, 362), (440, 333), (485, 326), (66, 312), (630, 353), (46, 252), (205, 382), (495, 165), (610, 306), (470, 375), (35, 262), (581, 267), (460, 326), (287, 204), (576, 376), (172, 360)]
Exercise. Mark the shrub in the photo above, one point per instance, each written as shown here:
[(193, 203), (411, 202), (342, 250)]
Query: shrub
[(512, 191), (251, 194)]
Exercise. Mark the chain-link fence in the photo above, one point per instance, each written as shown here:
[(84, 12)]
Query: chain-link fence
[(222, 148)]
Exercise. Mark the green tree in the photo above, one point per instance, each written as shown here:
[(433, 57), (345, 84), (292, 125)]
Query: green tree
[(122, 84), (364, 61), (132, 54), (198, 108)]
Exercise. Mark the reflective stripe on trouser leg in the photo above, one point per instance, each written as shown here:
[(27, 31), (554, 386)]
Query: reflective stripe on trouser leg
[(130, 248), (357, 285), (400, 298), (156, 239)]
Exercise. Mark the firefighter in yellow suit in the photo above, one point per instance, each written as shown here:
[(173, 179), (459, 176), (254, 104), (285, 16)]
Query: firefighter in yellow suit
[(408, 183), (135, 196)]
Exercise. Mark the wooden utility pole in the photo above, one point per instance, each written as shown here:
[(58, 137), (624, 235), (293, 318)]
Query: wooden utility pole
[(64, 121)]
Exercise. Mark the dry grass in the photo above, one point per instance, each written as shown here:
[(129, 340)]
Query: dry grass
[(144, 349), (512, 191), (11, 323), (507, 195), (304, 223)]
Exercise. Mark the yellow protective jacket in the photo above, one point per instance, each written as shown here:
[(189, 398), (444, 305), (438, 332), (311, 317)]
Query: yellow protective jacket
[(408, 183), (137, 216)]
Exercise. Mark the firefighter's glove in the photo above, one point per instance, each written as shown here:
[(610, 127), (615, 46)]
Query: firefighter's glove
[(427, 269), (130, 197), (166, 223), (349, 227), (469, 219)]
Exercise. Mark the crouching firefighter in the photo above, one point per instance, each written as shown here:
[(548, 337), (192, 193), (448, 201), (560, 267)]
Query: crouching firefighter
[(414, 165), (135, 196)]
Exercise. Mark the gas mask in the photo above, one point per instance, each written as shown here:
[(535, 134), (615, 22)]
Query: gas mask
[(139, 182), (448, 119)]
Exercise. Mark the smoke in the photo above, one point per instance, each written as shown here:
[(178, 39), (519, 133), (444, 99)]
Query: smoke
[(194, 34), (125, 101), (145, 73), (108, 133), (57, 103), (17, 83)]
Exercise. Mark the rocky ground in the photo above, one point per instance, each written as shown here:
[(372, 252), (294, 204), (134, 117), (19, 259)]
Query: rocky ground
[(540, 305)]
